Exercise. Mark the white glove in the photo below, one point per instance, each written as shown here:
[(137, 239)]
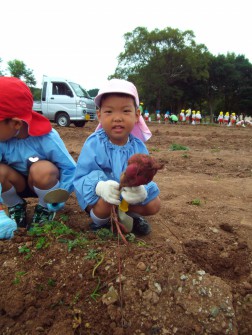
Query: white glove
[(108, 191), (134, 195)]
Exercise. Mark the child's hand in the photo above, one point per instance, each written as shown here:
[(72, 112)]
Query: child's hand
[(108, 191), (7, 226), (55, 207), (134, 195)]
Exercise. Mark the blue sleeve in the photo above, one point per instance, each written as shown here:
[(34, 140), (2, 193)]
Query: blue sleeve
[(152, 192), (89, 172), (58, 154)]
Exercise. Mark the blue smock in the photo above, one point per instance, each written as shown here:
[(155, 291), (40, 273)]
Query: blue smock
[(102, 160), (16, 152)]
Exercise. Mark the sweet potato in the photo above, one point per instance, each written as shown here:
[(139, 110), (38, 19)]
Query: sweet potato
[(140, 170)]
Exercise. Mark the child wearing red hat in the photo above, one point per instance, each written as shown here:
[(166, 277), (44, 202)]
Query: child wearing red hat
[(33, 157)]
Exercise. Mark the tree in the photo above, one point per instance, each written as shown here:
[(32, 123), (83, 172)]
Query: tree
[(93, 92), (19, 70), (230, 83), (163, 64)]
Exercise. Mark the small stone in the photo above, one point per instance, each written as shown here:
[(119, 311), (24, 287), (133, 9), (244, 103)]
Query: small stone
[(141, 266), (40, 329), (214, 311), (247, 286)]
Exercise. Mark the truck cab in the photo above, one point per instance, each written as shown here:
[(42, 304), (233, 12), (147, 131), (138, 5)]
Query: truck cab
[(65, 102)]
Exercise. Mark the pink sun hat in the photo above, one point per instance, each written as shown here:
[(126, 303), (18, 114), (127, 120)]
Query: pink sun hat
[(117, 86), (140, 129)]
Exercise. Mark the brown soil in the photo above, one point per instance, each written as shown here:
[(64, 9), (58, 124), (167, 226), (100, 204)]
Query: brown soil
[(191, 275)]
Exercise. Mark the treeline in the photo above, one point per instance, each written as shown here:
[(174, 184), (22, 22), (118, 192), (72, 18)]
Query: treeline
[(172, 72)]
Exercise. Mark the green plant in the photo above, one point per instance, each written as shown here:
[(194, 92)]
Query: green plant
[(18, 276), (42, 242), (78, 242), (25, 250), (155, 149), (141, 243), (91, 254), (175, 147), (76, 298), (196, 202), (95, 293), (213, 150), (53, 228), (104, 234), (130, 237), (51, 282)]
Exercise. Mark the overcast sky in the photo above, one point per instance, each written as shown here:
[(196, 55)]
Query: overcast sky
[(80, 40)]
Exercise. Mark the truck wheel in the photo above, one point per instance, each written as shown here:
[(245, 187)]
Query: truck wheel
[(79, 123), (63, 120)]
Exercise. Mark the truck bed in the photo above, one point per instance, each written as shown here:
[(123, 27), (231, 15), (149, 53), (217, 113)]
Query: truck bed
[(37, 106)]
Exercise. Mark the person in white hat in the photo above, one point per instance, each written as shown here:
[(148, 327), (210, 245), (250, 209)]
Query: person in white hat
[(105, 156)]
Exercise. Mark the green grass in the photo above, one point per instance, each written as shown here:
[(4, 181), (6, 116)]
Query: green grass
[(175, 147), (196, 202)]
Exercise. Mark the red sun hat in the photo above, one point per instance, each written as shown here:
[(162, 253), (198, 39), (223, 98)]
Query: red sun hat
[(16, 101)]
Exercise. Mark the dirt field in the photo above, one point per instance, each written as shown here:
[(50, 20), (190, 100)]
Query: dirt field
[(191, 275)]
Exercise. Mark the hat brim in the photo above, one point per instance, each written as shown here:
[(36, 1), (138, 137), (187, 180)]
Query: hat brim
[(38, 125)]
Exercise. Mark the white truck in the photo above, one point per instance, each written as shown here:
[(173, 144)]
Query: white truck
[(65, 102)]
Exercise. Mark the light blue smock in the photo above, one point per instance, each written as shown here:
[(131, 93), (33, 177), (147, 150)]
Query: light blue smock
[(16, 152), (102, 160)]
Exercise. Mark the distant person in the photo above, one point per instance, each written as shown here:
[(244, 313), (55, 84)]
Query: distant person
[(182, 117), (188, 113), (158, 116), (104, 156), (240, 123), (173, 118), (198, 117), (141, 108), (226, 119), (33, 157), (146, 115), (220, 119), (233, 119), (248, 122), (166, 116), (193, 117)]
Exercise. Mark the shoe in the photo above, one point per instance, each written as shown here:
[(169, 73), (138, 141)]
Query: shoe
[(93, 227), (42, 215), (18, 214), (141, 226)]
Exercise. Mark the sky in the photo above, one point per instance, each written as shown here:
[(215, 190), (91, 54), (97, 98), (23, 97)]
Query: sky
[(80, 40)]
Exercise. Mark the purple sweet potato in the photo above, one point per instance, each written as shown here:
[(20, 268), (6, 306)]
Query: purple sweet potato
[(140, 170)]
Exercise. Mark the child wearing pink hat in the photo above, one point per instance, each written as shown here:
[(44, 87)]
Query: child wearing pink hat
[(33, 157), (105, 155)]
